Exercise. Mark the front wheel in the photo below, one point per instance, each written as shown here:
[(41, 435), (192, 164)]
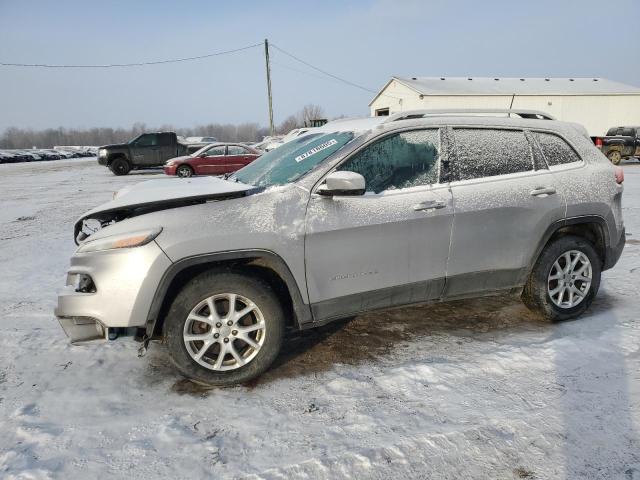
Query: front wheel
[(224, 328), (120, 166), (615, 157), (564, 280), (184, 171)]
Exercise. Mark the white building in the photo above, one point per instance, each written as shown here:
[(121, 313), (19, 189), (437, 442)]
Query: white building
[(596, 103)]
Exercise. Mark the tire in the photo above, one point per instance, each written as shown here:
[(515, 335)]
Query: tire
[(184, 171), (195, 298), (614, 157), (120, 166), (537, 293)]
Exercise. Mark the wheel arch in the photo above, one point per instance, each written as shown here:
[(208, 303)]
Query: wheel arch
[(592, 227), (114, 156), (265, 264)]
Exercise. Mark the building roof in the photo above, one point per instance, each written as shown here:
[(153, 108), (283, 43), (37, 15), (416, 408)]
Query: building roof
[(511, 86)]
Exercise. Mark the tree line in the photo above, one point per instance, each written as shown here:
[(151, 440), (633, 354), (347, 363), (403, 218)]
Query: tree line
[(14, 137)]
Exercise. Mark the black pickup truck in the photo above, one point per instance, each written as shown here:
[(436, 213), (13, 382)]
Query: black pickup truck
[(146, 151), (621, 142)]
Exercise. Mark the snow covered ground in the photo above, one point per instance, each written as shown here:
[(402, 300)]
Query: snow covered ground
[(471, 389)]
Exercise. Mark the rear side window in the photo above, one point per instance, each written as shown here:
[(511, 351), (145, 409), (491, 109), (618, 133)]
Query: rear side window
[(236, 150), (556, 151), (491, 152), (401, 160), (166, 139)]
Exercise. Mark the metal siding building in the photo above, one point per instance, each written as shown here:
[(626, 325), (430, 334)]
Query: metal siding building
[(596, 103)]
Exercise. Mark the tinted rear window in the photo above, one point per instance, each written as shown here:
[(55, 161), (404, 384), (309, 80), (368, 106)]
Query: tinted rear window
[(490, 152), (556, 151)]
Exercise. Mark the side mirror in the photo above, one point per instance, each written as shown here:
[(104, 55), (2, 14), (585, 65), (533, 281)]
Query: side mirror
[(342, 183)]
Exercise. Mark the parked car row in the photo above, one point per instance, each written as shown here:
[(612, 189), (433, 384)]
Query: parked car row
[(39, 154)]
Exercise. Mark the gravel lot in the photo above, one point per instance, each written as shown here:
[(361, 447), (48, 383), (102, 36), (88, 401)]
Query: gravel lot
[(470, 389)]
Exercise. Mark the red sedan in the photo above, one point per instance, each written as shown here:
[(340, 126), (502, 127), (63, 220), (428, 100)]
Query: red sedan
[(214, 159)]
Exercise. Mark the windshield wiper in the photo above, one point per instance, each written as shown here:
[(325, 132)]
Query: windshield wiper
[(227, 176)]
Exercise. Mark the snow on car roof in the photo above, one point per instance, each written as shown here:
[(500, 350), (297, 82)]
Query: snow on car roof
[(356, 125)]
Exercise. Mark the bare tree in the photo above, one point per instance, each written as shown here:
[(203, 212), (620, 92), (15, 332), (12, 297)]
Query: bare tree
[(310, 112), (288, 124), (14, 137)]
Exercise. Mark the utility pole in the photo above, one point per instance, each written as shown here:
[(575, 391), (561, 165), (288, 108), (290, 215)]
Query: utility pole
[(266, 59)]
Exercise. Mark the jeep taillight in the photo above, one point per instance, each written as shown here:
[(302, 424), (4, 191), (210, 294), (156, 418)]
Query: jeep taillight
[(619, 175)]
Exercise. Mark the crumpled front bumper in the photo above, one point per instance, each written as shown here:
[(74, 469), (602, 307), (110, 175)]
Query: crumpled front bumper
[(124, 282), (83, 329)]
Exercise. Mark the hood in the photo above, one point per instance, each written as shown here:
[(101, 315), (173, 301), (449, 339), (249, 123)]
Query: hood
[(154, 195), (115, 145), (180, 159)]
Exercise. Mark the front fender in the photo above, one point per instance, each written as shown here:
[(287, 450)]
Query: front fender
[(267, 259)]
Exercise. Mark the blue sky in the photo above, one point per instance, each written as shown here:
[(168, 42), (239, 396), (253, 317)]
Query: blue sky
[(365, 41)]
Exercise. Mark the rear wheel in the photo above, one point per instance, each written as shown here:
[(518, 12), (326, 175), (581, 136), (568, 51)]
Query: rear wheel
[(184, 171), (564, 280), (615, 157), (120, 166), (224, 328)]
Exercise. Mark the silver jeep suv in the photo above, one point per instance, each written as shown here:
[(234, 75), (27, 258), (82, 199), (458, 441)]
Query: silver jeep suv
[(350, 217)]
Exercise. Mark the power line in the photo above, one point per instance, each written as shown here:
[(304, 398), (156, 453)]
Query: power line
[(140, 64), (343, 80), (304, 72)]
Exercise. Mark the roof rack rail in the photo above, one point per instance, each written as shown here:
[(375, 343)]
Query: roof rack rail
[(411, 114)]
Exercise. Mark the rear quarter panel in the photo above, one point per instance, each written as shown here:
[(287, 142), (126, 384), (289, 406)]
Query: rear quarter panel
[(590, 188)]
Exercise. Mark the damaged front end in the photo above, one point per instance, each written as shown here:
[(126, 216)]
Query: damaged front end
[(153, 196)]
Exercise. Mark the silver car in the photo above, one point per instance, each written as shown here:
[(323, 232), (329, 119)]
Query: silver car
[(354, 216)]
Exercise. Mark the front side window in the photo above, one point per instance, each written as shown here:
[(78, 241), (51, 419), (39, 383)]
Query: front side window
[(292, 160), (214, 151), (146, 140), (402, 160), (484, 152), (556, 151)]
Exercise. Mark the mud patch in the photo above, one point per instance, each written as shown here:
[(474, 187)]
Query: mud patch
[(369, 337), (187, 387)]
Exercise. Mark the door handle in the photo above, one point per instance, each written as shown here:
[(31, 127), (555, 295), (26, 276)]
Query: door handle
[(540, 191), (429, 205)]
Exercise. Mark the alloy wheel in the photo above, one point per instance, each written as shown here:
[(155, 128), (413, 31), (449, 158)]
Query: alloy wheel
[(224, 332), (570, 279)]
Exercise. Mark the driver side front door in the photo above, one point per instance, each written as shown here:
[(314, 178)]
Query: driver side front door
[(146, 150), (389, 246)]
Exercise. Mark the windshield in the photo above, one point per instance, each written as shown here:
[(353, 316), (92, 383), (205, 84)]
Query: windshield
[(292, 160)]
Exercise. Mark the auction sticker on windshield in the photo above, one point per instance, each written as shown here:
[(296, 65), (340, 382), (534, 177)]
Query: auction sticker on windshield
[(314, 150)]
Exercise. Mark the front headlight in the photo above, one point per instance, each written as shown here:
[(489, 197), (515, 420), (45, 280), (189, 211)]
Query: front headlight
[(170, 163), (102, 152), (123, 240)]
